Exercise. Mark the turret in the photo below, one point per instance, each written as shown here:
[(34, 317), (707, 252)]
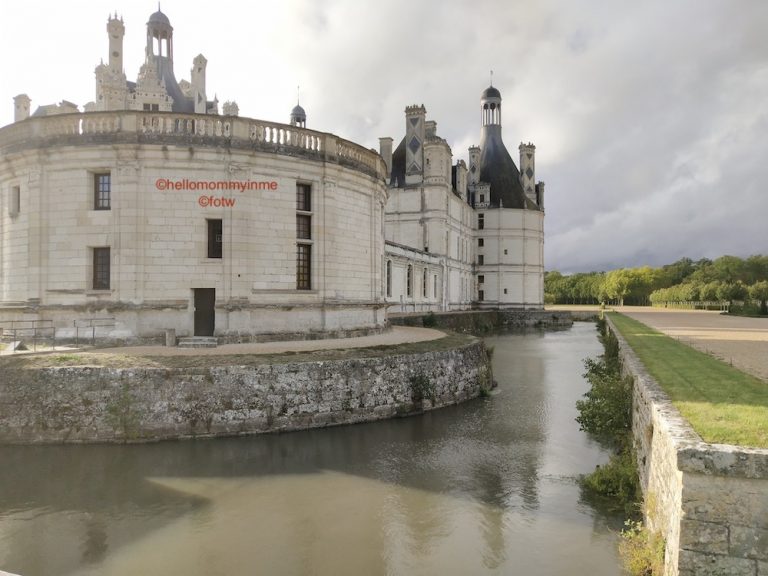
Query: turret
[(496, 166), (298, 116), (197, 75), (116, 32), (21, 104), (159, 36)]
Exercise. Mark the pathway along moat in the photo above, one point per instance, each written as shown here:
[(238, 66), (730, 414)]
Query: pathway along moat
[(488, 487)]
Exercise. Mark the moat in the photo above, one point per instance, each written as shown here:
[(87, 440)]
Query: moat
[(486, 487)]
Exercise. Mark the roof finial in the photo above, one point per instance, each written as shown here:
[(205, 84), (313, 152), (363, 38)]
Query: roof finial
[(491, 77), (158, 7), (297, 95)]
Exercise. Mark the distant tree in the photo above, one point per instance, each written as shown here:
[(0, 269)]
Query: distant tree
[(675, 273), (617, 284), (730, 291), (710, 291), (756, 268), (554, 287), (759, 291), (729, 269)]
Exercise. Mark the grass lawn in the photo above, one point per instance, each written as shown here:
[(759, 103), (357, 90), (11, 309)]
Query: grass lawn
[(722, 404)]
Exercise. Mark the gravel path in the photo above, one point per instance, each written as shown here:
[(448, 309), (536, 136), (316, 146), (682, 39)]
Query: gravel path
[(396, 335)]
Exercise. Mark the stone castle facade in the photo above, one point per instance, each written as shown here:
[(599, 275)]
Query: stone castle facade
[(152, 209)]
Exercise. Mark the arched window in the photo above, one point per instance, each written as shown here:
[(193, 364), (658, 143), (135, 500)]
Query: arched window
[(424, 284), (389, 278)]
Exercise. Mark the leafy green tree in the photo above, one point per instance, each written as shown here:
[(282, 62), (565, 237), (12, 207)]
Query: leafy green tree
[(729, 269), (759, 291), (756, 268), (710, 291), (730, 291)]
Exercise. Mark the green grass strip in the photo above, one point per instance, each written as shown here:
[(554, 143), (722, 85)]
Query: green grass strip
[(723, 404)]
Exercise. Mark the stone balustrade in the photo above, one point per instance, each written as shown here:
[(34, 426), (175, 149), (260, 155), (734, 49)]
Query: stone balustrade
[(186, 129)]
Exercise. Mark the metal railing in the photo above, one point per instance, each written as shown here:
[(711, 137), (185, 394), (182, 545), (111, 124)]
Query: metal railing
[(86, 324), (39, 331)]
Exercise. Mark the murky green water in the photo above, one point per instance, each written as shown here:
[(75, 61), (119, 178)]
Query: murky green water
[(488, 487)]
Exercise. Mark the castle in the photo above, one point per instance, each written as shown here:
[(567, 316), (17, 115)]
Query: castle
[(155, 210)]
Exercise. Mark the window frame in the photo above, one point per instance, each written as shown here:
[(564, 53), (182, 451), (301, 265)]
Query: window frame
[(303, 266), (304, 241), (102, 196), (215, 249), (101, 268)]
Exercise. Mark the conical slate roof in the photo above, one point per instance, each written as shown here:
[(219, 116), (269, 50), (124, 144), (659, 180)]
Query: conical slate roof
[(499, 170)]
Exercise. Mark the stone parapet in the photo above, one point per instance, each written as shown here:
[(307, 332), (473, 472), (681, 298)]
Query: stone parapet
[(125, 127), (709, 501)]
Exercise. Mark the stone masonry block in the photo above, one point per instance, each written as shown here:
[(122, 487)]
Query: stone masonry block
[(715, 565), (749, 542), (704, 537)]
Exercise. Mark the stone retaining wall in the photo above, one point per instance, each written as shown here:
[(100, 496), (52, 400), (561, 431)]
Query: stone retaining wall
[(710, 501), (98, 404), (484, 321)]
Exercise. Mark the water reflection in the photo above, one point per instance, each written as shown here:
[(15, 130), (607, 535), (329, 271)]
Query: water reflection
[(486, 487)]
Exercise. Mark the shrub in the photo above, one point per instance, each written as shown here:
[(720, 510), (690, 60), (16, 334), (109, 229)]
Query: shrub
[(641, 550), (429, 321), (617, 480), (606, 410)]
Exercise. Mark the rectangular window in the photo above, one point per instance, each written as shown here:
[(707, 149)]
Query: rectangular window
[(480, 259), (101, 268), (303, 232), (303, 266), (102, 191), (409, 281), (481, 242), (15, 205), (146, 107), (481, 279), (480, 295), (389, 278), (505, 290), (304, 197), (303, 226), (215, 238), (480, 221)]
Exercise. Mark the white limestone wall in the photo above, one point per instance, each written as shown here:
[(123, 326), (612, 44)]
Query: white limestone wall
[(513, 258), (429, 296), (432, 216), (158, 239)]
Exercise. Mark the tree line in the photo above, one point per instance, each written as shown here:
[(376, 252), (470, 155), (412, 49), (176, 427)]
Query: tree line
[(726, 279)]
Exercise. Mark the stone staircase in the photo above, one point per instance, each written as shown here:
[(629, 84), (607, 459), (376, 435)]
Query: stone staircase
[(198, 342)]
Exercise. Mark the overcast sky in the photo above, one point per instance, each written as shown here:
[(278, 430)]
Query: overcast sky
[(650, 118)]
